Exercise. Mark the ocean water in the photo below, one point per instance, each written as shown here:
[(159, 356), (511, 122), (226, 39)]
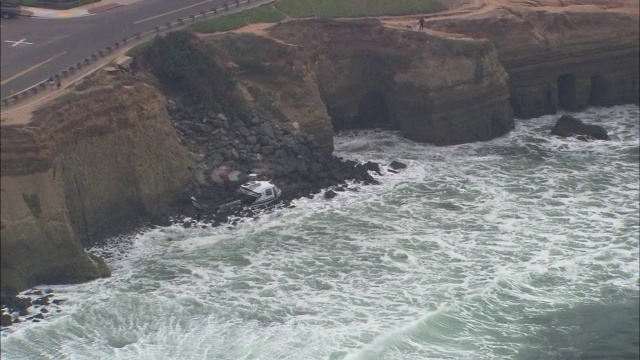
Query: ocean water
[(524, 247)]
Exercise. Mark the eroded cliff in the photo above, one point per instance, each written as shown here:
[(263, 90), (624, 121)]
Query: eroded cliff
[(559, 54), (337, 74), (434, 88), (85, 161)]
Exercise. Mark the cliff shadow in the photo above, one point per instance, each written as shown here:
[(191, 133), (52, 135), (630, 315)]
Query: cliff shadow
[(599, 91), (374, 112), (567, 97)]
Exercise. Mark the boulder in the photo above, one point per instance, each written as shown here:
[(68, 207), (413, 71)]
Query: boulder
[(330, 194), (568, 126), (395, 165), (6, 320)]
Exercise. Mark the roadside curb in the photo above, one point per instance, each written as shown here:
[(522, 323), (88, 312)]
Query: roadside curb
[(104, 8)]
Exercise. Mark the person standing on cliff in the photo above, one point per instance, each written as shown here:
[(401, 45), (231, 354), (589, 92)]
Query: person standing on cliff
[(421, 24)]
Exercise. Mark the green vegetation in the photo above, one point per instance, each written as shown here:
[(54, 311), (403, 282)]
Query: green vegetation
[(261, 14), (139, 49), (186, 67), (323, 8), (354, 8), (33, 203)]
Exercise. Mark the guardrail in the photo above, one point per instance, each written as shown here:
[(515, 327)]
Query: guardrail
[(180, 22)]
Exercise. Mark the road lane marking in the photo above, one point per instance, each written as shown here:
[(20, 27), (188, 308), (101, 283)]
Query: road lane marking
[(31, 68), (19, 42), (171, 12)]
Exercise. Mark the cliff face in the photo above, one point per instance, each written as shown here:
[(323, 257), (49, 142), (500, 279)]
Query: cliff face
[(105, 154), (278, 80), (328, 75), (560, 54), (438, 89)]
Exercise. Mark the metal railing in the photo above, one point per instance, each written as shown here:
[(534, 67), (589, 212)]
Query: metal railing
[(181, 22)]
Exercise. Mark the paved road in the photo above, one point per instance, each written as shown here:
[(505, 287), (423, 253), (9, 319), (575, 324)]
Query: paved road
[(55, 44)]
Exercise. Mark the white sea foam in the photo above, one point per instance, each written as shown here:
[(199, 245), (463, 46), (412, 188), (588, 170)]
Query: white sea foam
[(467, 253)]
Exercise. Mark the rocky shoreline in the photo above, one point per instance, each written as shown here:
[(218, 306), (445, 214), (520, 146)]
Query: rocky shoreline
[(124, 150)]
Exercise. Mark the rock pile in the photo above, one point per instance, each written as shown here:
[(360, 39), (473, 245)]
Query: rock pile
[(276, 150)]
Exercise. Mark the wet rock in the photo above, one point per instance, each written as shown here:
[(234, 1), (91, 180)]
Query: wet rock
[(42, 300), (371, 166), (34, 317), (396, 165), (6, 320), (568, 126), (330, 194)]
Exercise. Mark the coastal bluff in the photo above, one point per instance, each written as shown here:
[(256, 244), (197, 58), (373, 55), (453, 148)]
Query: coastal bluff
[(83, 162), (560, 54), (109, 149)]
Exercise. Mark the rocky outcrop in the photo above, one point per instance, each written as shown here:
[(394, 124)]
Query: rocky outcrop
[(438, 89), (568, 125), (278, 81), (560, 54), (84, 162)]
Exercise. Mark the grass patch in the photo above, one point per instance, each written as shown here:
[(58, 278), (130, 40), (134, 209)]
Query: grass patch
[(354, 8), (261, 14), (139, 49)]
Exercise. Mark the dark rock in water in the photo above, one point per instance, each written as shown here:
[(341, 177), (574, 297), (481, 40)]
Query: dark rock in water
[(397, 165), (103, 268), (6, 320), (34, 292), (13, 303), (393, 171), (44, 310), (186, 224), (330, 194), (57, 302), (340, 189), (568, 126), (34, 317), (371, 166), (369, 180), (42, 300)]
